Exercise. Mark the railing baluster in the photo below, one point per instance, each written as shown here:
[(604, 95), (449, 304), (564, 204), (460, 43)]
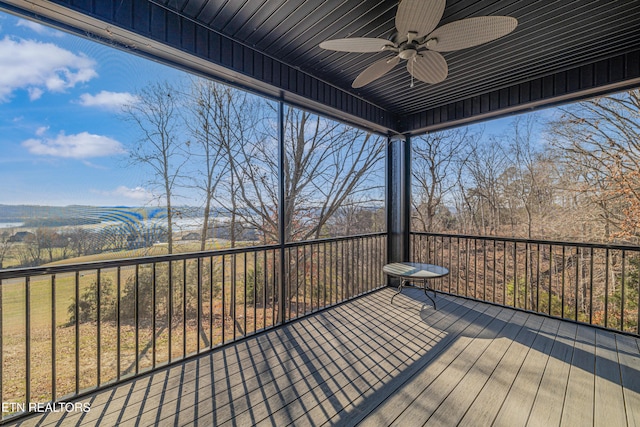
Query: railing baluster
[(304, 283), (550, 275), (234, 284), (136, 310), (265, 284), (515, 273), (466, 267), (324, 262), (311, 289), (484, 270), (591, 286), (273, 289), (353, 273), (199, 330), (564, 268), (638, 313), (494, 272), (118, 329), (244, 297), (606, 288), (527, 260), (224, 301), (153, 314), (331, 278), (371, 258), (361, 265), (449, 249), (98, 329), (622, 283), (27, 313), (538, 277), (318, 272), (475, 268), (342, 269), (458, 268), (504, 272), (184, 308), (170, 312), (577, 282), (255, 291), (76, 313), (53, 339), (211, 272)]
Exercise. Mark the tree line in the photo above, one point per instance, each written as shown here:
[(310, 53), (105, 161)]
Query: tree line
[(572, 173)]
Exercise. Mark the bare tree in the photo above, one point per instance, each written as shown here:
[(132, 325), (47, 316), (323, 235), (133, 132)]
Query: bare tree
[(479, 198), (234, 116), (156, 115), (5, 244), (437, 164), (529, 180), (326, 163), (210, 130)]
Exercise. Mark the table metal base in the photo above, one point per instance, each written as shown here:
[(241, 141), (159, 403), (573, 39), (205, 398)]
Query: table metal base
[(403, 281)]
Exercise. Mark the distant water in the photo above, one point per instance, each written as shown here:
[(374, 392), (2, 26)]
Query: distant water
[(11, 224)]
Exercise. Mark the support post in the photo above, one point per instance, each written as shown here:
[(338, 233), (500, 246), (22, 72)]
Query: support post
[(398, 199), (282, 209)]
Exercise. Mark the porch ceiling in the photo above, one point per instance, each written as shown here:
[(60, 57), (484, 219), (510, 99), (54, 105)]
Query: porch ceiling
[(561, 50)]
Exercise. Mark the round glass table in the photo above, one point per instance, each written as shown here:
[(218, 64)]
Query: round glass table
[(412, 272)]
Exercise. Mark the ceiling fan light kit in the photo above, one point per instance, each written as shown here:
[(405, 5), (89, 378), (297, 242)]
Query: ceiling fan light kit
[(419, 42)]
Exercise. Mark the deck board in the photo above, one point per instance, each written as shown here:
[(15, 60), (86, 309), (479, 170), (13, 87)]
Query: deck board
[(579, 400), (608, 399), (370, 363), (553, 384)]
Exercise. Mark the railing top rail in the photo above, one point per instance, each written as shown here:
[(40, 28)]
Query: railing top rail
[(334, 239), (125, 262), (623, 247)]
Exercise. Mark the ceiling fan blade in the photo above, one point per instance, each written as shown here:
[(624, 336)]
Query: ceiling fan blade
[(375, 71), (430, 67), (419, 16), (356, 44), (470, 32)]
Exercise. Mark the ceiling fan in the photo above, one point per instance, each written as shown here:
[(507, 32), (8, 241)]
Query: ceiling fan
[(419, 42)]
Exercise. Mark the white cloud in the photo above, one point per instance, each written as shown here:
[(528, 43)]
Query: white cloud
[(108, 100), (137, 193), (41, 130), (37, 67), (35, 93), (38, 28), (122, 193), (80, 146)]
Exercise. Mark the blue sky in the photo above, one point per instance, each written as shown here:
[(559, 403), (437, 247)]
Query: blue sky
[(62, 140)]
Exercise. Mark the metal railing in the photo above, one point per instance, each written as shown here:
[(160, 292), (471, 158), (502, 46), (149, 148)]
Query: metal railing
[(72, 329), (583, 282)]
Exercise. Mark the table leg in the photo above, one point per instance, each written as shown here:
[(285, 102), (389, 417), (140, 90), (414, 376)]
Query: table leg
[(433, 300), (402, 282), (424, 287)]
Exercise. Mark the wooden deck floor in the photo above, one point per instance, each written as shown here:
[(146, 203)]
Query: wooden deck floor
[(375, 364)]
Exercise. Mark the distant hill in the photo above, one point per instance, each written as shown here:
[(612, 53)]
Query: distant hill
[(57, 216)]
